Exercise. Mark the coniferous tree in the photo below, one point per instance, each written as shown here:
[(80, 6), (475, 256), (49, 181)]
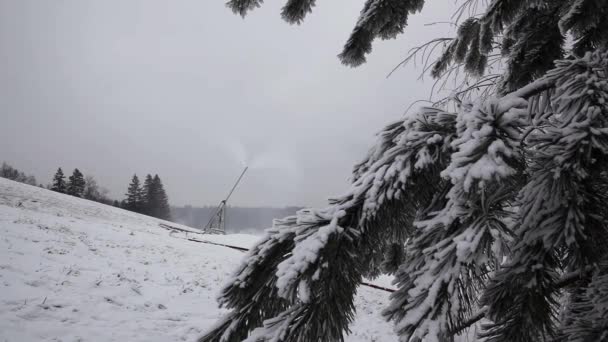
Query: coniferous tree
[(503, 198), (76, 184), (134, 201), (59, 182), (148, 195), (163, 209), (155, 200)]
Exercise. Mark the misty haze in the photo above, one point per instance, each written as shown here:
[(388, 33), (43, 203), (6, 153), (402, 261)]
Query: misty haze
[(304, 171)]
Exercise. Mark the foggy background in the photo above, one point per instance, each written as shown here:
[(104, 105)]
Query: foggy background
[(250, 220), (190, 91)]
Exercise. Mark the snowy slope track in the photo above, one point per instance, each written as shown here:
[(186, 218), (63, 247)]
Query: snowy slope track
[(76, 270)]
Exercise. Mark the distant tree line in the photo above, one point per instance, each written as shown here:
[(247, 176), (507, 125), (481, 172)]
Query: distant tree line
[(80, 186), (149, 198), (9, 172)]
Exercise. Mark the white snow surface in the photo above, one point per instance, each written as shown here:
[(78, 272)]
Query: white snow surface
[(76, 270)]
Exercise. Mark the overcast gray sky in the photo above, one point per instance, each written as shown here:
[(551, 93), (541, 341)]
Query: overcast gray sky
[(188, 90)]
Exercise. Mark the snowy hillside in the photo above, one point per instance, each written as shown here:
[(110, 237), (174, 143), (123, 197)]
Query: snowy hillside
[(76, 270)]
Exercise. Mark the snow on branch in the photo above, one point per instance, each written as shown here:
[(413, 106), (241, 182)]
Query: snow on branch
[(454, 247), (559, 206), (309, 266)]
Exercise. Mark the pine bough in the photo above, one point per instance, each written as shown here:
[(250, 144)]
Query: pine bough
[(500, 200)]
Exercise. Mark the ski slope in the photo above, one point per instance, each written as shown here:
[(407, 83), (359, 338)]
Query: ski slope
[(76, 270)]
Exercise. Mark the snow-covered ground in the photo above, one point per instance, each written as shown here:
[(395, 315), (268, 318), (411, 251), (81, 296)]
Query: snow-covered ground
[(76, 270)]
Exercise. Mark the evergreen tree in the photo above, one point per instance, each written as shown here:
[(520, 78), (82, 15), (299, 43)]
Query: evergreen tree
[(165, 209), (159, 200), (76, 184), (59, 182), (148, 195), (134, 200), (503, 198), (155, 199)]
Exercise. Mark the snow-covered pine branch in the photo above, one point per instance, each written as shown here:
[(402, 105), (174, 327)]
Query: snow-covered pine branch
[(383, 19), (506, 199), (252, 285), (588, 315), (301, 278), (562, 214), (242, 7), (450, 255)]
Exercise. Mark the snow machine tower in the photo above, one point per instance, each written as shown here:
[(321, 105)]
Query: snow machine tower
[(217, 222)]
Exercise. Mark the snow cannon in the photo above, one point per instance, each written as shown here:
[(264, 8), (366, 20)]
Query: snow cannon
[(217, 222)]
